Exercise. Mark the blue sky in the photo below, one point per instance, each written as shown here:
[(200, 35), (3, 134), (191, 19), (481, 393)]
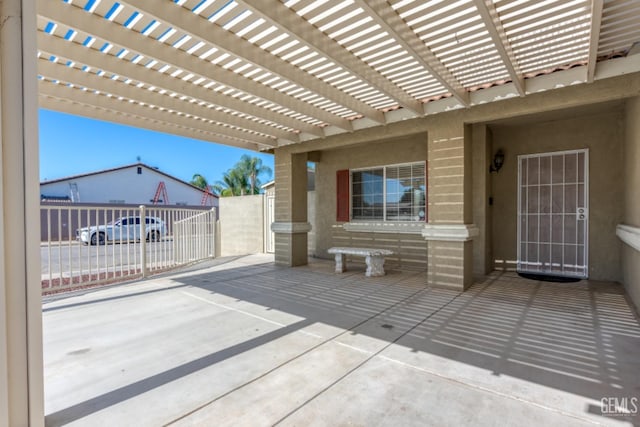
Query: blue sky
[(71, 145)]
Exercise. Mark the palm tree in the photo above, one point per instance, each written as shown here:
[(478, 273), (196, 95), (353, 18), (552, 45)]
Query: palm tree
[(243, 178), (199, 181), (233, 183), (252, 168)]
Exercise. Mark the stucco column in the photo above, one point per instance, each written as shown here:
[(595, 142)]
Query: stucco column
[(21, 374), (450, 229), (481, 148), (290, 226)]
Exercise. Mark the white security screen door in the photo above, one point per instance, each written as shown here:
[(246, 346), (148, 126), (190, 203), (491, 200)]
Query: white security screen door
[(553, 213)]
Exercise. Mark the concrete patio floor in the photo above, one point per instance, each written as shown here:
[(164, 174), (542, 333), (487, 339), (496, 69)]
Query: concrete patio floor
[(242, 342)]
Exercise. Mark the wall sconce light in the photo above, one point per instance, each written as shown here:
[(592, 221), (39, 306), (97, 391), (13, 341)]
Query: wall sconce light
[(498, 161)]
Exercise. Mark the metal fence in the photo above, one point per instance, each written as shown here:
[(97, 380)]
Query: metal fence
[(84, 246), (194, 237)]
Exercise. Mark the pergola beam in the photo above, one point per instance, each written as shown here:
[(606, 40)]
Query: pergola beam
[(93, 112), (492, 22), (180, 18), (73, 51), (594, 38), (391, 22), (288, 20), (83, 96), (78, 19), (118, 88)]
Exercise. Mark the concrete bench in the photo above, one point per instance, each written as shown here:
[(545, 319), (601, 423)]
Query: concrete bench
[(373, 257)]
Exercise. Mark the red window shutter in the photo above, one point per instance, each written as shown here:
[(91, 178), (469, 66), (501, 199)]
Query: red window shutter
[(342, 190)]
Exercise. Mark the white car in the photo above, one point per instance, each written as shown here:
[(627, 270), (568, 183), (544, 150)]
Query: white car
[(122, 230)]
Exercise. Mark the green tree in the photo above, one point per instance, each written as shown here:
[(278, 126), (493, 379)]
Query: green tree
[(243, 178), (252, 168), (233, 183), (199, 181)]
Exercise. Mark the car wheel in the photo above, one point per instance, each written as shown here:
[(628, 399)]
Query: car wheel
[(154, 236), (97, 239)]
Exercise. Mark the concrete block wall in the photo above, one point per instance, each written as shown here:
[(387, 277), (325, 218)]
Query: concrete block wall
[(241, 225)]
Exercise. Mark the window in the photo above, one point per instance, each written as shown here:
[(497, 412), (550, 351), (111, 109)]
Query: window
[(139, 170), (389, 193)]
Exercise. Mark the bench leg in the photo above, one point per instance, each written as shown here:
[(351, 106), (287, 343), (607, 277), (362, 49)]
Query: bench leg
[(341, 265), (375, 266)]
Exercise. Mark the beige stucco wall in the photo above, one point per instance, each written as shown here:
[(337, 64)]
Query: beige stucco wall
[(311, 218), (411, 249), (553, 123), (603, 135), (631, 257), (241, 225), (481, 144)]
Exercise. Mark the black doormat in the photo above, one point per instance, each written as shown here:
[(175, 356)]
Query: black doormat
[(548, 278)]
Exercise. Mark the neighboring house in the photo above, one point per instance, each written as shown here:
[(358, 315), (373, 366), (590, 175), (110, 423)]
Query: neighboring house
[(131, 184)]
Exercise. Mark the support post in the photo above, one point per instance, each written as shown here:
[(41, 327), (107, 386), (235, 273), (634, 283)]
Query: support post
[(21, 370), (143, 241), (291, 226), (450, 229), (212, 226)]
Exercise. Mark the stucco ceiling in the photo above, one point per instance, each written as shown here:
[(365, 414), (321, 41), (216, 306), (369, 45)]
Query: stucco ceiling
[(260, 74)]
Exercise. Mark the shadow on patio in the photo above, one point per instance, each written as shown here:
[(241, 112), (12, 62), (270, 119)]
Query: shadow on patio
[(248, 343)]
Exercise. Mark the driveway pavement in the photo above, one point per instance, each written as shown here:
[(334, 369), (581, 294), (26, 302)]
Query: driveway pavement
[(242, 342)]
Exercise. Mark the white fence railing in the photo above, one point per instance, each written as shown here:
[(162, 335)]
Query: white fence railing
[(194, 237), (88, 245)]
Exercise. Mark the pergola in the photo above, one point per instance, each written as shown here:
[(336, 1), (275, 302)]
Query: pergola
[(260, 74), (279, 76)]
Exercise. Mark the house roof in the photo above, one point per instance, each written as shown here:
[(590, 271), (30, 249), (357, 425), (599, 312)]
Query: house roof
[(105, 171), (260, 74), (269, 184)]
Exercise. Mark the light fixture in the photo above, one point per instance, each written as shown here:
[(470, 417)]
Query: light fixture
[(498, 161)]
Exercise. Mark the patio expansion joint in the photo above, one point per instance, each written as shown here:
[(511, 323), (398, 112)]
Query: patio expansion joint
[(309, 350), (374, 354), (433, 373), (370, 356), (478, 291), (255, 316), (488, 390)]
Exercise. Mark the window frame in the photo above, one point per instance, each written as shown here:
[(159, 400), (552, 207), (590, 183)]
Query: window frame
[(384, 193)]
